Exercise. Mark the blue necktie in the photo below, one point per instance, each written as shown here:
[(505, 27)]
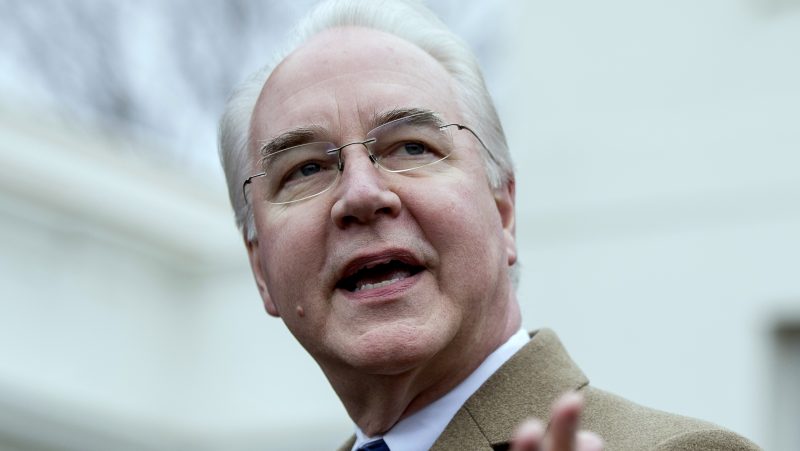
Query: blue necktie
[(377, 445)]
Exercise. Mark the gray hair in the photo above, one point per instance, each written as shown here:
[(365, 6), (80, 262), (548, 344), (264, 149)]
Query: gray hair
[(410, 20)]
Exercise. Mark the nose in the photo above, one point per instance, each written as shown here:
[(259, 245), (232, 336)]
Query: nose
[(362, 194)]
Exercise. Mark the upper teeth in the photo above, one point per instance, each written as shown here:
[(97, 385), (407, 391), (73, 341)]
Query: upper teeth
[(373, 264)]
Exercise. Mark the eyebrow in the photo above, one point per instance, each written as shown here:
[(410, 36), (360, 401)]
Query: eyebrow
[(291, 138), (421, 116)]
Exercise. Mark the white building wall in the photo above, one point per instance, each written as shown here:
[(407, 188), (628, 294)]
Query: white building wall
[(660, 207)]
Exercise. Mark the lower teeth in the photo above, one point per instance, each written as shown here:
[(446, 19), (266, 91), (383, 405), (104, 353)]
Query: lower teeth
[(369, 286)]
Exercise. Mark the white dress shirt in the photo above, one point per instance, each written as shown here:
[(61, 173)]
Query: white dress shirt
[(420, 430)]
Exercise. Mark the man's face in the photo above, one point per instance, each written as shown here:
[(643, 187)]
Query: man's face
[(429, 250)]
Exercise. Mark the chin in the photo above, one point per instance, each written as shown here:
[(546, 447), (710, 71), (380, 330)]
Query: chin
[(395, 348)]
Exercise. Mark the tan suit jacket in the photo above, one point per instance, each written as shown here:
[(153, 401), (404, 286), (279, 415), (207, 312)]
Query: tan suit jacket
[(528, 384)]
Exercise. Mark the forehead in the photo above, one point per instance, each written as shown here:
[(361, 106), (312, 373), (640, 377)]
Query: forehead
[(341, 78)]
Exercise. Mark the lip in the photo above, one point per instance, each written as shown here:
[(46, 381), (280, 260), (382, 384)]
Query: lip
[(382, 294), (374, 258)]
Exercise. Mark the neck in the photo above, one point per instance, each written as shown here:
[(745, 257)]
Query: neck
[(376, 402)]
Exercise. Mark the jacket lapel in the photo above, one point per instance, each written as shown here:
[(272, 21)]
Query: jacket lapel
[(525, 386)]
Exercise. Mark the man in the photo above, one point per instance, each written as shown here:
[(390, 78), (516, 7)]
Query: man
[(371, 179)]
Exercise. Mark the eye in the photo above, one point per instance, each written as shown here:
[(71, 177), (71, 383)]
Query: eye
[(303, 171), (310, 168), (408, 149), (414, 148)]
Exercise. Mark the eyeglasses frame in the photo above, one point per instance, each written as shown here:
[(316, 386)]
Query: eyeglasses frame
[(373, 159)]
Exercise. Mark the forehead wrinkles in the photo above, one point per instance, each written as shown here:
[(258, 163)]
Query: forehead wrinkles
[(378, 84)]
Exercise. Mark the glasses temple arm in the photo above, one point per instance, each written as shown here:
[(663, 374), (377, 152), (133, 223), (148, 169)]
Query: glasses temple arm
[(464, 127)]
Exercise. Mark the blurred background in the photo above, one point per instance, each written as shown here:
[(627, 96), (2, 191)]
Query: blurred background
[(657, 147)]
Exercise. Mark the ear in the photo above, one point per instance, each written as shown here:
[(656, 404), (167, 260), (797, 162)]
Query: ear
[(504, 199), (258, 274)]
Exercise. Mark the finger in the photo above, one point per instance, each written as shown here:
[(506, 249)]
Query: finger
[(588, 441), (564, 422), (528, 437)]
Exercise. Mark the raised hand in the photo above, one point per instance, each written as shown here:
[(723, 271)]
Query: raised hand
[(562, 434)]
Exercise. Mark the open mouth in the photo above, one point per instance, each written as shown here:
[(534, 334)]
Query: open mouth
[(378, 275)]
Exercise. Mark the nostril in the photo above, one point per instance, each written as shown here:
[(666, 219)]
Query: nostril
[(347, 220)]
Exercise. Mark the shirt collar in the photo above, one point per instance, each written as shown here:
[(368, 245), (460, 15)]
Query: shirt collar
[(421, 429)]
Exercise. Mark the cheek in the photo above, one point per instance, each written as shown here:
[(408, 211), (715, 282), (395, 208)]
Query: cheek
[(294, 251), (460, 219)]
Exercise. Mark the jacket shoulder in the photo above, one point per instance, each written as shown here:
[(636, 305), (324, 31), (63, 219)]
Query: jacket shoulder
[(625, 425), (710, 440), (348, 445)]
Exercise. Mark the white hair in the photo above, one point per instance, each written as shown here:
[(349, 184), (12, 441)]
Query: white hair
[(410, 20)]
